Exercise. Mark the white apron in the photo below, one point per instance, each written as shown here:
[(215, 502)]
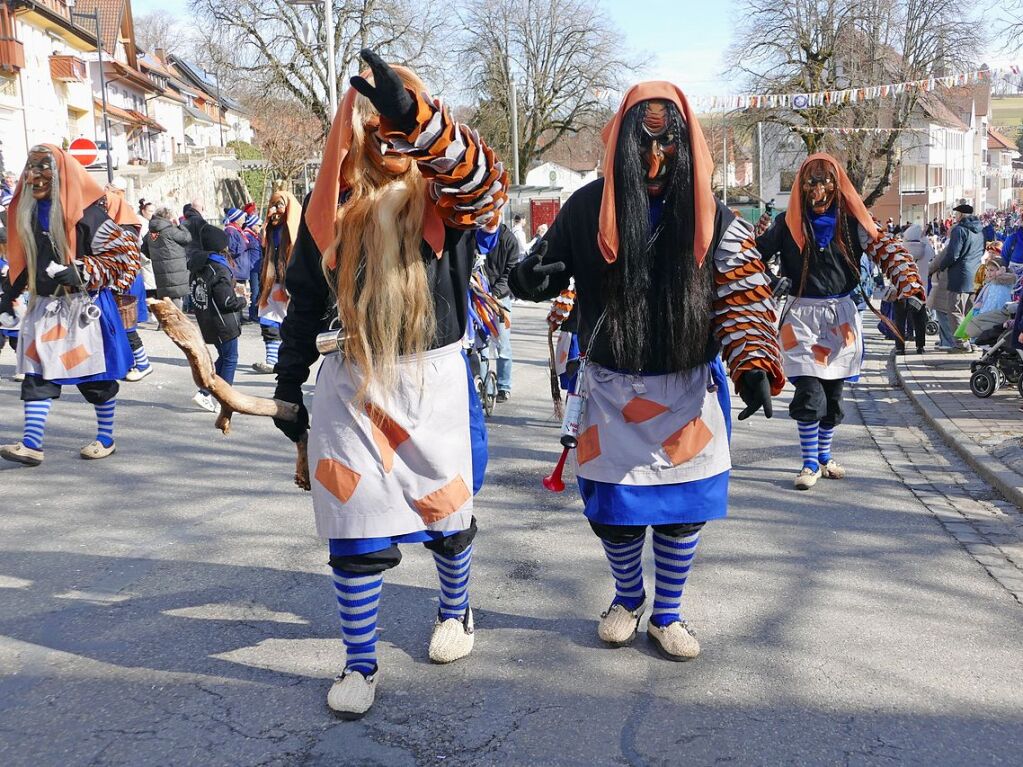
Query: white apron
[(395, 465), (822, 338), (58, 341), (651, 430), (276, 307)]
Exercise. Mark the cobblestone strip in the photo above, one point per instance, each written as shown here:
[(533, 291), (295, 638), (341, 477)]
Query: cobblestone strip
[(988, 527)]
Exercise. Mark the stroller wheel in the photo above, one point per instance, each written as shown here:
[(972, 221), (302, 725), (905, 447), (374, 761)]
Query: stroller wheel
[(932, 327), (1000, 376), (983, 383)]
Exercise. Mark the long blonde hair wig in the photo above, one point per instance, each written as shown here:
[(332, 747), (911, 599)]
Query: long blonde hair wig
[(384, 300)]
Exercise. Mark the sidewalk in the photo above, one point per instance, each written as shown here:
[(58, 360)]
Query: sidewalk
[(986, 432)]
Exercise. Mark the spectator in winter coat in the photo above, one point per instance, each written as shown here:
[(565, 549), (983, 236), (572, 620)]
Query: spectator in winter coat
[(217, 306), (960, 260), (192, 219), (254, 235), (238, 246), (164, 244)]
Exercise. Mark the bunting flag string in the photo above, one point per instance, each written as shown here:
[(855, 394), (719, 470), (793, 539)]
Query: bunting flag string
[(850, 131), (800, 101)]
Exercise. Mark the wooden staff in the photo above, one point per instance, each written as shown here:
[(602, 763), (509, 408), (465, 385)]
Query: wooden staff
[(185, 335)]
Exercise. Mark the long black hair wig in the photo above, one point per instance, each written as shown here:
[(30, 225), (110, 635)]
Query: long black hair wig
[(658, 299)]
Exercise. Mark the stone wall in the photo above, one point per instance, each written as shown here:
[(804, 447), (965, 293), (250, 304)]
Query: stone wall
[(214, 180)]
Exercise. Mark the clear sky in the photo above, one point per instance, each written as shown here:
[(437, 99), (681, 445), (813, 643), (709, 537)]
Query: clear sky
[(682, 40), (685, 40)]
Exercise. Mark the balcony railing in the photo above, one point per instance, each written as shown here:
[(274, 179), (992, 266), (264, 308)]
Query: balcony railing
[(68, 69), (12, 56)]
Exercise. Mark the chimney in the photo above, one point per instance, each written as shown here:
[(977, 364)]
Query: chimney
[(161, 55)]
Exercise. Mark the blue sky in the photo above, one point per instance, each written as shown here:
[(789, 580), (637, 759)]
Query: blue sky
[(687, 38)]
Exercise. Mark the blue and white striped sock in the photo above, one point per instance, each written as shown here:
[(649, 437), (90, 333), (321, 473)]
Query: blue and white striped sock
[(824, 437), (273, 348), (808, 443), (35, 423), (453, 573), (673, 557), (358, 602), (141, 358), (105, 422), (626, 560)]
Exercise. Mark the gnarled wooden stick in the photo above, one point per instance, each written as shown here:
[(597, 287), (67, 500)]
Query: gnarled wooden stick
[(186, 336)]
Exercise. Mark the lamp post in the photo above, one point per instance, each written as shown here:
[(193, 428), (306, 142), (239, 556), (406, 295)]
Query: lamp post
[(328, 22), (94, 16)]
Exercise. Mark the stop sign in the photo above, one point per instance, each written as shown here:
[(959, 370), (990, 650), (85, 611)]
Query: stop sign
[(84, 150)]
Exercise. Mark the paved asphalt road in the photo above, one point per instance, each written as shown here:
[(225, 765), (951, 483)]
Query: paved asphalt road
[(171, 606)]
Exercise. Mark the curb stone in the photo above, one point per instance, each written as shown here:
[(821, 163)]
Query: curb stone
[(1008, 482)]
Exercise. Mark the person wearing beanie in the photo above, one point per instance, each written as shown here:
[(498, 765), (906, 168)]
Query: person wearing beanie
[(253, 236), (217, 306), (239, 261)]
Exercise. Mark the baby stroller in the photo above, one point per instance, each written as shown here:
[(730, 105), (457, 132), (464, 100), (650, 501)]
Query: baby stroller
[(998, 365), (485, 312)]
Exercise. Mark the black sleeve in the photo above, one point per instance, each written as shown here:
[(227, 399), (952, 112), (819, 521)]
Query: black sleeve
[(559, 248), (307, 311), (9, 292), (223, 294), (144, 247), (180, 235), (507, 247), (769, 243)]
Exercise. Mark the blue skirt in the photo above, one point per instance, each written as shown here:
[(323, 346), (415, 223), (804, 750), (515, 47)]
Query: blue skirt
[(138, 289), (347, 547), (682, 503), (116, 349)]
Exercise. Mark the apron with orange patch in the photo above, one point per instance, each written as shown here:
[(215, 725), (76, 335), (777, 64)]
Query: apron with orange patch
[(58, 339), (276, 307), (822, 338), (397, 464), (651, 430)]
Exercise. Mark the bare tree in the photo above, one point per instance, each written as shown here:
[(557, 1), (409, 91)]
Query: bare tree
[(278, 47), (566, 57), (820, 45), (287, 133), (161, 29)]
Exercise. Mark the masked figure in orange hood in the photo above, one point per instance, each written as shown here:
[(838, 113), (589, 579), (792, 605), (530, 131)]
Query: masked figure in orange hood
[(820, 241), (666, 279), (396, 446), (69, 255)]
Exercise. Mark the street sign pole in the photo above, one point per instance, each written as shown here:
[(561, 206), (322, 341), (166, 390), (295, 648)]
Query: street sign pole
[(102, 87)]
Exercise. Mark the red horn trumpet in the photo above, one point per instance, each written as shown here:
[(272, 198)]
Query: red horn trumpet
[(554, 483)]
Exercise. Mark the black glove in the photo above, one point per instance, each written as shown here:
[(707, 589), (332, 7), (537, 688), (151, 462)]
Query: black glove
[(388, 94), (293, 430), (781, 287), (69, 277), (755, 391), (532, 275)]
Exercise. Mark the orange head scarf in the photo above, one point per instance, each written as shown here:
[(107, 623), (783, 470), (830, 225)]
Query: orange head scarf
[(705, 203), (292, 218), (852, 203), (77, 192), (321, 212), (120, 211)]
